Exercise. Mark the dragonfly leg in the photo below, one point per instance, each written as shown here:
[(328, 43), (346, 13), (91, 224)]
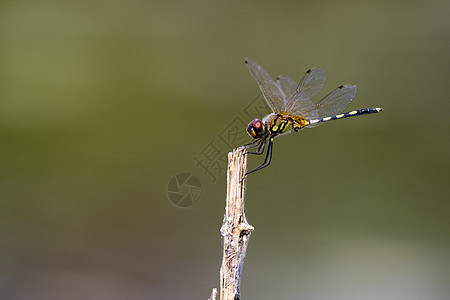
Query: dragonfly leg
[(261, 148), (253, 144), (267, 159)]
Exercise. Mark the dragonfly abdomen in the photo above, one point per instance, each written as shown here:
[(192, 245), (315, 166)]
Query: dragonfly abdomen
[(359, 112)]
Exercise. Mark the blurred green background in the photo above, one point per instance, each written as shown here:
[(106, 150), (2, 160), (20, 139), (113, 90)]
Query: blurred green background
[(101, 103)]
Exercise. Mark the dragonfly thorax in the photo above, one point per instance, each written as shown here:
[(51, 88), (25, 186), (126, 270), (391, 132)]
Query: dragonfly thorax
[(281, 123)]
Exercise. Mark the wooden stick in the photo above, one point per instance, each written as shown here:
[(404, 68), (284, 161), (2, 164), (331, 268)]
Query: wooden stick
[(235, 229), (213, 294)]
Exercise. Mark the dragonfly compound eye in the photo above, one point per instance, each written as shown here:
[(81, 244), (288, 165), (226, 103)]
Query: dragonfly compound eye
[(256, 129)]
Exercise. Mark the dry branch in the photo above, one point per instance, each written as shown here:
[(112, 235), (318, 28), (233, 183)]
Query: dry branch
[(213, 294), (235, 229)]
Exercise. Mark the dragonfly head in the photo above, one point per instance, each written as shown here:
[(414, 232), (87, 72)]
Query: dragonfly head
[(256, 129)]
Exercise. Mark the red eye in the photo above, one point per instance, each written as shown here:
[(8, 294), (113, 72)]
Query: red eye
[(256, 128), (258, 125)]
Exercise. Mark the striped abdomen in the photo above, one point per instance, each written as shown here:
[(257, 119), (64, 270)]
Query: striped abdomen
[(359, 112)]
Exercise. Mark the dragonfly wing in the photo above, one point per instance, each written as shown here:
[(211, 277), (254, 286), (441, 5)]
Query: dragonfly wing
[(312, 82), (288, 85), (310, 85), (271, 91), (303, 107), (336, 101), (296, 103)]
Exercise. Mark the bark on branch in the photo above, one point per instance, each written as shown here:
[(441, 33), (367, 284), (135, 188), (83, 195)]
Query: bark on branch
[(235, 229)]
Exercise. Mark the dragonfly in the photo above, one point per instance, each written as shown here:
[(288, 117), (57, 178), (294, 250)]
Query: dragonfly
[(292, 108)]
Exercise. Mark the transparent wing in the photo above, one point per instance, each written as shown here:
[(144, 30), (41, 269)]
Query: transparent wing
[(312, 82), (300, 103), (336, 101), (288, 85), (274, 95), (310, 85), (303, 107)]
